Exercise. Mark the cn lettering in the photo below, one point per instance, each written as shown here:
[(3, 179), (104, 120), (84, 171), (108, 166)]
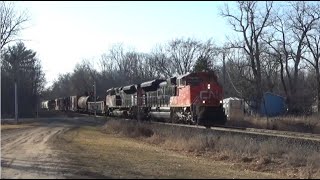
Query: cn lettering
[(205, 95)]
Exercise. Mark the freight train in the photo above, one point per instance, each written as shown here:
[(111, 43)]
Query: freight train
[(192, 98)]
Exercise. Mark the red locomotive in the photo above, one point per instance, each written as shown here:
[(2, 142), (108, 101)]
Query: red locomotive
[(193, 98)]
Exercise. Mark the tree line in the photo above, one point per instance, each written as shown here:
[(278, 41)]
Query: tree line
[(121, 66), (274, 48)]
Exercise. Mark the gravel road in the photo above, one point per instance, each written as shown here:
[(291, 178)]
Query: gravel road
[(25, 152)]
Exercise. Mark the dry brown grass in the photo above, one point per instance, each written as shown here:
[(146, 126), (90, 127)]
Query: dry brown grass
[(128, 129), (9, 126), (94, 154), (268, 155), (305, 124)]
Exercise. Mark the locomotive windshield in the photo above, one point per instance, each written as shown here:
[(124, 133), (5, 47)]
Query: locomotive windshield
[(193, 81)]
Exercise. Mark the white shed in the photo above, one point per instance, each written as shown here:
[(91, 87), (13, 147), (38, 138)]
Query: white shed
[(234, 108), (44, 105)]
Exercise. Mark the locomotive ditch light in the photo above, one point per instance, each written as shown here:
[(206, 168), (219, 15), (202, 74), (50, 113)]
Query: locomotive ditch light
[(208, 86), (203, 101), (221, 102)]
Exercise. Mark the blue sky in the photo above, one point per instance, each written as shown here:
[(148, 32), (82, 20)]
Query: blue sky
[(64, 33)]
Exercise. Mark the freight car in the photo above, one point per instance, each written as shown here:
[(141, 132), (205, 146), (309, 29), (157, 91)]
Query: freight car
[(73, 103), (98, 107), (51, 105), (59, 104)]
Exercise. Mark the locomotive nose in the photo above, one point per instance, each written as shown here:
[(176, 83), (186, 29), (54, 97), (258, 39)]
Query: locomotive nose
[(211, 116)]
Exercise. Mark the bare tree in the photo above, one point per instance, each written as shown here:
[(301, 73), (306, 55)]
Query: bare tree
[(160, 61), (313, 43), (11, 23), (83, 77), (148, 71), (239, 75), (279, 43), (288, 44), (303, 19), (183, 54), (116, 54), (180, 55), (270, 71), (105, 63), (251, 22)]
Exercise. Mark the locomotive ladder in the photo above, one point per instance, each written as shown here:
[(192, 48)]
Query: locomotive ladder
[(196, 100)]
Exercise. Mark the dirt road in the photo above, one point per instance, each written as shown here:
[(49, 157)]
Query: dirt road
[(25, 152), (75, 148)]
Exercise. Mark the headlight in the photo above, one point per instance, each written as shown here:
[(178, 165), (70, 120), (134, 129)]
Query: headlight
[(221, 102)]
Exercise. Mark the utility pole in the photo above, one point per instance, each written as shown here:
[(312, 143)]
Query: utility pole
[(95, 94), (15, 89), (1, 61), (139, 100), (224, 66), (37, 106), (15, 102)]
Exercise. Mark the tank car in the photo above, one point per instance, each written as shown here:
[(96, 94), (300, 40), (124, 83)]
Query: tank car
[(83, 103)]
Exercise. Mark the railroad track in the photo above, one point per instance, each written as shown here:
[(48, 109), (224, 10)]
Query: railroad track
[(254, 131), (241, 130)]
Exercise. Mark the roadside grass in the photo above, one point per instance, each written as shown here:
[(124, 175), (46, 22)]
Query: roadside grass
[(120, 153), (305, 124), (267, 156)]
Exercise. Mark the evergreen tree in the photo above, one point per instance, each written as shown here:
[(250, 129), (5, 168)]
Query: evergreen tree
[(21, 65), (203, 64)]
